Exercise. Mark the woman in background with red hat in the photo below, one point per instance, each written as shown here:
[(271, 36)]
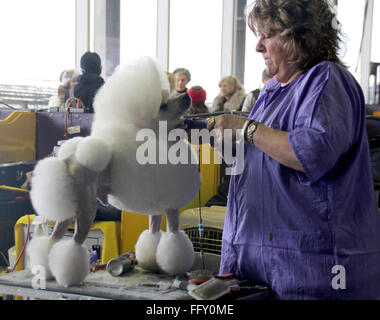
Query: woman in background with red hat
[(198, 97)]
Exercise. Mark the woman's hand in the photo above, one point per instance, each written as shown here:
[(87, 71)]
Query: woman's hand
[(225, 122), (273, 142)]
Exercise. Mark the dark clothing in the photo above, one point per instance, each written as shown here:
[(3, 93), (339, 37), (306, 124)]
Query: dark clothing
[(87, 88), (106, 212), (197, 108), (176, 93)]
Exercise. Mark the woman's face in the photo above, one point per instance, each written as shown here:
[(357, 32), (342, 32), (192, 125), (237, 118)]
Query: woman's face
[(274, 56), (180, 82), (226, 88)]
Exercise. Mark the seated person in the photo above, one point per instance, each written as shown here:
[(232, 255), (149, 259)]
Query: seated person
[(231, 96), (182, 78), (68, 80), (198, 98), (90, 81), (252, 97)]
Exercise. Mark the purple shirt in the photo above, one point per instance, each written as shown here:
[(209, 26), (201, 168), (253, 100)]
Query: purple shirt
[(290, 229)]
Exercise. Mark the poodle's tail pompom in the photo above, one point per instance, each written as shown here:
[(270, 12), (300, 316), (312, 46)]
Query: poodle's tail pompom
[(68, 147), (93, 153), (146, 247), (37, 254), (52, 192), (69, 262), (175, 253)]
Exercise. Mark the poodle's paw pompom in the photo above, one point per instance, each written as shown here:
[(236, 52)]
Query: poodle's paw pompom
[(52, 192), (68, 147), (69, 262), (175, 253), (37, 254), (146, 247), (93, 153)]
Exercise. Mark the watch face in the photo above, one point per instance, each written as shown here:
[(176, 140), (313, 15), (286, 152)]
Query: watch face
[(251, 130)]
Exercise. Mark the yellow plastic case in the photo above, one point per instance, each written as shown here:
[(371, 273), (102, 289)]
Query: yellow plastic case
[(110, 229), (18, 137)]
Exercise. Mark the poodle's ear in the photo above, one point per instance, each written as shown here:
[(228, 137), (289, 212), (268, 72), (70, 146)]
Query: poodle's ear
[(165, 96)]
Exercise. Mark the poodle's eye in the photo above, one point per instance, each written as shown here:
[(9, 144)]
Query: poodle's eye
[(164, 106)]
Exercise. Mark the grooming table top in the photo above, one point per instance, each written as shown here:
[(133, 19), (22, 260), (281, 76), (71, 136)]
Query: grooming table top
[(135, 285)]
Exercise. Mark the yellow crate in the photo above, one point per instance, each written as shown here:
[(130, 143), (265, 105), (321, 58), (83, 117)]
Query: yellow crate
[(18, 137), (110, 229)]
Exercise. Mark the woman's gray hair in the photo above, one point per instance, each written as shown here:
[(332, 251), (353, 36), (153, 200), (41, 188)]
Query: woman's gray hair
[(309, 30), (183, 71)]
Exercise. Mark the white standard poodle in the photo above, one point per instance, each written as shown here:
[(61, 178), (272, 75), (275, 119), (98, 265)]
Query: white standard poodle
[(109, 164)]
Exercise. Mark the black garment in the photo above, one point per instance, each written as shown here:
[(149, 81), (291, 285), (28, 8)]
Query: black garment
[(87, 88), (176, 93), (106, 212)]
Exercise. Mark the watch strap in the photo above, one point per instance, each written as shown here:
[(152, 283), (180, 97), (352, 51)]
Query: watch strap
[(248, 135)]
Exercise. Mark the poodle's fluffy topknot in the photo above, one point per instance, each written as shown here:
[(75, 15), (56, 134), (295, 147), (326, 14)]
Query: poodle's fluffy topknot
[(120, 101)]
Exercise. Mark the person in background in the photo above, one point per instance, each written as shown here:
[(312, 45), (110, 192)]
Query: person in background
[(198, 98), (182, 78), (66, 79), (252, 97), (303, 217), (73, 82), (90, 81), (231, 96)]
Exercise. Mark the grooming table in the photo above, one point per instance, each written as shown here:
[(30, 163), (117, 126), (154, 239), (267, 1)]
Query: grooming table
[(97, 286)]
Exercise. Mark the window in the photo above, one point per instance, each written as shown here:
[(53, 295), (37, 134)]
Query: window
[(375, 55), (196, 41), (38, 41), (138, 29), (254, 63), (351, 16)]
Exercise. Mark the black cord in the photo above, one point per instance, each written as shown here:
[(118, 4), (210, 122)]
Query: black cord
[(4, 258), (200, 229)]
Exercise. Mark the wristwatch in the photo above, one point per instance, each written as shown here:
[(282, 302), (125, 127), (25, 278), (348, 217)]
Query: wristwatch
[(249, 129)]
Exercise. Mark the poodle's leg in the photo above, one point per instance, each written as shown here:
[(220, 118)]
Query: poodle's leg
[(172, 221), (60, 229), (83, 226), (147, 243), (175, 252), (155, 223), (39, 247), (69, 260)]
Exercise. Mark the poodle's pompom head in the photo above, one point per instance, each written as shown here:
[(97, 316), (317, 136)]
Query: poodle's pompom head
[(93, 153), (175, 253), (133, 94), (52, 193), (37, 253), (146, 247), (69, 262), (68, 147)]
